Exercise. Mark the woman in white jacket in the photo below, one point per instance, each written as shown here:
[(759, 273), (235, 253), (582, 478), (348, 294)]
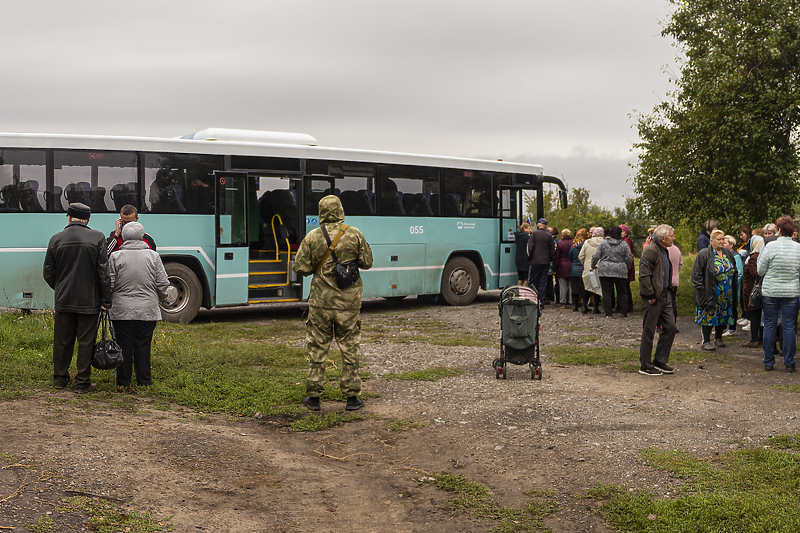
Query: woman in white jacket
[(138, 281), (585, 257)]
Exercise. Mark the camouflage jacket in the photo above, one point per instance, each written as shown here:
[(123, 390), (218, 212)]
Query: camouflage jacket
[(352, 246)]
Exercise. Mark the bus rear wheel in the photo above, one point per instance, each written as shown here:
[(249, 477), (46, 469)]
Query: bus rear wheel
[(460, 281), (183, 296)]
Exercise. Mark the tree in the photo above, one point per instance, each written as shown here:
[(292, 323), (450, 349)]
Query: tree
[(725, 145)]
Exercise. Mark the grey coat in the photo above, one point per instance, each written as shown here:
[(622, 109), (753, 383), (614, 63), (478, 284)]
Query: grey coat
[(138, 280), (612, 259)]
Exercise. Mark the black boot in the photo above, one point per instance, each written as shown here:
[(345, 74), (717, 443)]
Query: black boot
[(312, 403), (575, 303), (354, 404)]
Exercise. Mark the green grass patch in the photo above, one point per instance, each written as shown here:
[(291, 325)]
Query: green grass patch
[(623, 359), (785, 442), (474, 499), (403, 424), (748, 490), (322, 422), (585, 338), (105, 517), (604, 491), (428, 374), (788, 388)]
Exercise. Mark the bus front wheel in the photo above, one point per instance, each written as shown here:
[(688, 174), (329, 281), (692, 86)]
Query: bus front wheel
[(460, 281), (183, 296)]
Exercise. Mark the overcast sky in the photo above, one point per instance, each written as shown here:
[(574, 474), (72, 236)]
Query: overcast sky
[(553, 83)]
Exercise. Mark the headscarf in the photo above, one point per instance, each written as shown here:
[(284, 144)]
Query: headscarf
[(756, 244), (626, 229), (597, 232)]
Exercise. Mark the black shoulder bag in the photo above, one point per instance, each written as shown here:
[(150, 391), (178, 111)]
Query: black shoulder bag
[(346, 273), (107, 353)]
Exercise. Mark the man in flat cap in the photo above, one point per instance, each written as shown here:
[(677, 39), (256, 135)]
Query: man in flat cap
[(76, 267)]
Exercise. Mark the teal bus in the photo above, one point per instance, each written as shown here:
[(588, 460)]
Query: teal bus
[(227, 209)]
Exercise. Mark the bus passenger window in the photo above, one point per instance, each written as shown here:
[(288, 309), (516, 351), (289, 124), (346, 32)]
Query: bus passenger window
[(468, 193), (409, 191), (22, 179), (89, 177), (180, 183)]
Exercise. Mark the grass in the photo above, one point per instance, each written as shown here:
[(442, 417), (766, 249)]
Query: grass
[(105, 517), (322, 422), (623, 359), (727, 494), (403, 424), (428, 374), (475, 500)]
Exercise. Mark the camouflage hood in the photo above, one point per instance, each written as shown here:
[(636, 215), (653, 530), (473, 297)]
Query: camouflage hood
[(331, 210)]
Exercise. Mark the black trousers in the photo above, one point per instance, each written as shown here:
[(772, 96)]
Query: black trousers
[(135, 337), (537, 278), (659, 312), (67, 328), (608, 285)]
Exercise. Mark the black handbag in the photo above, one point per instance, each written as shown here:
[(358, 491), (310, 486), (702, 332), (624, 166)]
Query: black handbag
[(755, 295), (107, 353), (347, 273)]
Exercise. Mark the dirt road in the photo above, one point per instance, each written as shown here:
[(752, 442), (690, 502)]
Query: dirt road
[(578, 427)]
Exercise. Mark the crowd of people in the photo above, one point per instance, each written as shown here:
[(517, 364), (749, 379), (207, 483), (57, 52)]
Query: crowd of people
[(752, 282)]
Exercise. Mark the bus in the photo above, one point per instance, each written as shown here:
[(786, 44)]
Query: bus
[(227, 209)]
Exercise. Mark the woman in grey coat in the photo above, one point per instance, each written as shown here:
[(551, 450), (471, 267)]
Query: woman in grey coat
[(138, 281), (612, 259)]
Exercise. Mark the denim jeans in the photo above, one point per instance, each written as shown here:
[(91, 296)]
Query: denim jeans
[(786, 309)]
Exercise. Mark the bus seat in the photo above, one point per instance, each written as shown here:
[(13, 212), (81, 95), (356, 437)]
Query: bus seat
[(312, 202), (77, 192), (424, 203), (284, 205), (58, 207), (98, 198), (124, 194), (356, 203), (452, 207), (392, 204), (10, 196), (29, 197)]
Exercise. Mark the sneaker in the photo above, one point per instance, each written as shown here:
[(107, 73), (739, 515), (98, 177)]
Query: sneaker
[(750, 344), (728, 332), (743, 322), (312, 403), (85, 390), (664, 368), (746, 328), (354, 404), (650, 371), (790, 368), (709, 347), (768, 368), (718, 343)]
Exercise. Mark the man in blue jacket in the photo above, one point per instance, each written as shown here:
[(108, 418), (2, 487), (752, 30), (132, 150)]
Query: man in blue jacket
[(76, 267)]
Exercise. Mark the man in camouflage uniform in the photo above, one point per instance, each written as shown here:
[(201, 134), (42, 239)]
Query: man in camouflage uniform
[(333, 312)]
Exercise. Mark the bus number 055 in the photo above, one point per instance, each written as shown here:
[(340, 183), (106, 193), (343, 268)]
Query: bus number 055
[(415, 230)]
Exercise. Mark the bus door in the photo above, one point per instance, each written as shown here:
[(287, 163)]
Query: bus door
[(511, 216), (232, 238)]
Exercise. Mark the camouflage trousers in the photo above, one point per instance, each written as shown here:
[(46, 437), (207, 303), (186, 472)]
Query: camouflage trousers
[(322, 326)]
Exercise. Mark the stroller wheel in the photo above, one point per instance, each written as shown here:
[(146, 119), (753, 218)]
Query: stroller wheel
[(499, 371), (537, 372)]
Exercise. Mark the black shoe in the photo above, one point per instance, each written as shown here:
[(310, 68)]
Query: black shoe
[(664, 368), (769, 368), (60, 385), (790, 368), (312, 403), (719, 343), (650, 371), (354, 404), (85, 390), (596, 311), (585, 311), (624, 315)]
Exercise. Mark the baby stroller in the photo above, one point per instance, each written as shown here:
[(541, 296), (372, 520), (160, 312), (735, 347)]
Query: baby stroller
[(519, 331)]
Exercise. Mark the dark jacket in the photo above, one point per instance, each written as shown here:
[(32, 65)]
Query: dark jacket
[(76, 267), (704, 279), (748, 280), (521, 259), (541, 248), (651, 272), (574, 254), (632, 267), (703, 240), (562, 264)]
